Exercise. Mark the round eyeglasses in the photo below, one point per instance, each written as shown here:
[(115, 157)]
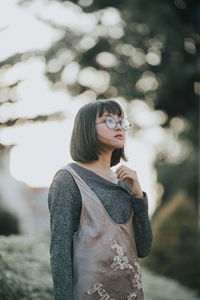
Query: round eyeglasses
[(112, 124)]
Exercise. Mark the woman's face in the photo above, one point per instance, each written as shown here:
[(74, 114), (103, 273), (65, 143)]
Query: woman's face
[(110, 138)]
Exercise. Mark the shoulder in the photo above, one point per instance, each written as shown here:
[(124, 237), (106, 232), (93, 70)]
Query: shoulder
[(63, 175), (63, 181), (63, 190)]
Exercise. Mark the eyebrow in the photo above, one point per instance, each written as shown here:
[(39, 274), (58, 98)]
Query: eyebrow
[(110, 115)]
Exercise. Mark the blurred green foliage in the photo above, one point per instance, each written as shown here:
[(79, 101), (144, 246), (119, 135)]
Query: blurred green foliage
[(25, 271), (176, 246), (159, 287), (182, 176)]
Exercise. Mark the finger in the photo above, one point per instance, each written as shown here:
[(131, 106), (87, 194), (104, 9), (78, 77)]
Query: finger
[(121, 168), (122, 173), (124, 177), (119, 173), (118, 169)]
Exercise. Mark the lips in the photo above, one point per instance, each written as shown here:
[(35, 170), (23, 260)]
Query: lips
[(119, 136)]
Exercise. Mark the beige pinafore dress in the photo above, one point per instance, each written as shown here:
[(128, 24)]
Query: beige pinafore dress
[(105, 262)]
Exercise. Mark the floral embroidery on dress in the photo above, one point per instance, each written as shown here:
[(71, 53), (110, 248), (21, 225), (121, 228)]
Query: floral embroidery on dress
[(131, 296), (121, 262), (137, 276)]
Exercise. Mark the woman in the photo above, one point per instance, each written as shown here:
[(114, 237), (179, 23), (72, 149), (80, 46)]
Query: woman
[(99, 218)]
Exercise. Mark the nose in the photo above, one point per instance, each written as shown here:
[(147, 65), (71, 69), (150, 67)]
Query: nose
[(118, 125)]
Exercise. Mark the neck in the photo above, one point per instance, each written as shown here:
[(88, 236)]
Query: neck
[(102, 164)]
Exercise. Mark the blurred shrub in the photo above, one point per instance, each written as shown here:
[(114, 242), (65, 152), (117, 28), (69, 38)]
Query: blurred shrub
[(25, 268), (176, 243), (9, 223), (163, 288)]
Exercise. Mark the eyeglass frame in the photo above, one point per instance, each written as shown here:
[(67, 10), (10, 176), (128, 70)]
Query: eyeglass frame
[(116, 122)]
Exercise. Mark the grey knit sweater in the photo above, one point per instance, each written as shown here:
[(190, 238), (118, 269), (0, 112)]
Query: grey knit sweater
[(65, 202)]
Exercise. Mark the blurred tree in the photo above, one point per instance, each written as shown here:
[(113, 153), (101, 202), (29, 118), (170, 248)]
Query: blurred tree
[(175, 228), (150, 51), (147, 50)]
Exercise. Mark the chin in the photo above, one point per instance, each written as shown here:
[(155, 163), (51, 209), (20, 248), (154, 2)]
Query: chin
[(119, 146)]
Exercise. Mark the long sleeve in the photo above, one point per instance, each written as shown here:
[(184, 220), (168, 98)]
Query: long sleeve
[(64, 207), (141, 225)]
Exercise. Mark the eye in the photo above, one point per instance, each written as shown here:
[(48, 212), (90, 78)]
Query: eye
[(125, 124), (110, 120)]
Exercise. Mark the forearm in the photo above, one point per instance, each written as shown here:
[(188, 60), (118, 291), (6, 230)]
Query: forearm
[(142, 225), (61, 268)]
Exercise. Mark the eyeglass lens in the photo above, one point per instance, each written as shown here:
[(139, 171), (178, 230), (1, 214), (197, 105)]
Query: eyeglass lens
[(111, 123)]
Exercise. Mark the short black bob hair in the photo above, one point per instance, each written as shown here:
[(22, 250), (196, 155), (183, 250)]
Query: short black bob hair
[(84, 146)]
